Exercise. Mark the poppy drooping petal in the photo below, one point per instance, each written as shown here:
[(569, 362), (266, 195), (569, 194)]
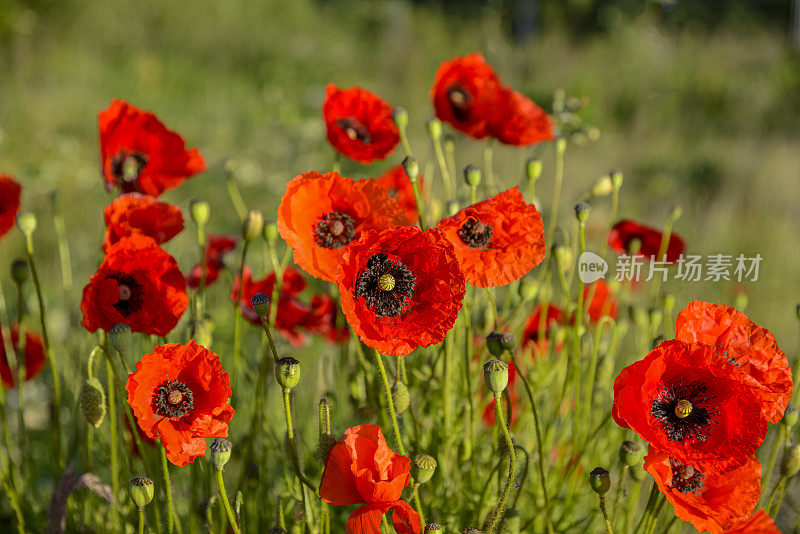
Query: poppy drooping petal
[(10, 192), (519, 121), (367, 519), (599, 301), (216, 249), (758, 523), (624, 233), (397, 185), (405, 519), (134, 212)]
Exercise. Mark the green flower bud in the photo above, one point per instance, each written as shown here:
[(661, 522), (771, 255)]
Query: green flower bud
[(400, 117), (141, 491), (400, 397), (411, 166), (790, 464), (434, 128), (790, 416), (533, 169), (260, 303), (563, 256), (452, 207), (582, 211), (423, 467), (252, 225), (287, 372), (26, 222), (616, 178), (599, 480), (637, 472), (433, 527), (512, 523), (677, 211), (271, 232), (449, 142), (20, 270), (655, 316), (203, 332), (220, 453), (200, 212), (498, 343), (740, 301), (120, 337), (630, 453), (472, 175), (528, 289), (495, 374), (561, 145), (324, 446), (92, 400), (602, 187), (669, 302)]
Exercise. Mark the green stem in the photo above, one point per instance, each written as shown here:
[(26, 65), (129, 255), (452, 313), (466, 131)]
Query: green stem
[(559, 179), (648, 511), (602, 500), (225, 502), (662, 249), (63, 247), (447, 390), (389, 402), (623, 470), (287, 410), (446, 178), (237, 319), (773, 455), (420, 204), (499, 511), (235, 196), (141, 520), (112, 422), (493, 307), (418, 504), (488, 153), (11, 493), (172, 518)]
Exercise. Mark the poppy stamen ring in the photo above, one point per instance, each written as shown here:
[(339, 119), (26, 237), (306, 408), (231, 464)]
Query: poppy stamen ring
[(173, 399), (683, 409)]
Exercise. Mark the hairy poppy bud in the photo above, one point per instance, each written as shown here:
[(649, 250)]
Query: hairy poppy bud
[(271, 232), (630, 453), (790, 416), (582, 211), (498, 343), (324, 446), (512, 523), (252, 225), (434, 128), (92, 399), (141, 491), (26, 222), (790, 464), (287, 372), (260, 303), (563, 256), (400, 397), (472, 175), (452, 207), (433, 527), (200, 211), (120, 337), (599, 480), (20, 270), (220, 453), (602, 187), (495, 374), (411, 166), (533, 169), (423, 467), (528, 289), (616, 178), (637, 472), (400, 117)]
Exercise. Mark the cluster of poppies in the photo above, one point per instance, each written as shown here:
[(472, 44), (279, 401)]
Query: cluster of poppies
[(702, 402)]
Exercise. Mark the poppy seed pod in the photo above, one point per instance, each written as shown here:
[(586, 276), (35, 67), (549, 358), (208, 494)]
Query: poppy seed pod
[(287, 372), (260, 303), (790, 416), (252, 225), (120, 337), (528, 289), (582, 211), (20, 270), (92, 399), (630, 453), (411, 166), (141, 490), (220, 453), (495, 374), (433, 527), (400, 397), (423, 467), (400, 117), (533, 169), (271, 232), (434, 128), (790, 464), (26, 222), (472, 175), (599, 480), (200, 211)]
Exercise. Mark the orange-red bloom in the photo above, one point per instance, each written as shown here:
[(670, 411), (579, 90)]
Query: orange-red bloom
[(751, 347), (138, 284), (34, 356), (533, 326), (397, 185), (216, 248), (135, 212), (361, 468), (10, 192), (140, 155), (599, 301), (712, 503), (519, 121), (624, 233), (359, 123), (465, 93), (400, 288), (320, 214), (497, 240), (179, 394), (698, 408), (758, 523)]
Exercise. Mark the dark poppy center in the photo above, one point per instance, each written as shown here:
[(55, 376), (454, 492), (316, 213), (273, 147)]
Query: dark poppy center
[(173, 399), (334, 230), (475, 233), (684, 412), (126, 166), (354, 129), (686, 478), (386, 285), (130, 294), (460, 100)]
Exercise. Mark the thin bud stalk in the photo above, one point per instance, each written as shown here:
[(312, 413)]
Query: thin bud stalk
[(499, 511)]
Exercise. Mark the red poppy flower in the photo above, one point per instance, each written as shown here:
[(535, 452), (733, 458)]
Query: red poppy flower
[(685, 400), (497, 240), (216, 249), (34, 356), (319, 215), (397, 185), (530, 338), (140, 155), (519, 121), (359, 123), (758, 523), (138, 284), (10, 191), (400, 288), (361, 468), (710, 502), (625, 232), (751, 347), (134, 212), (599, 301), (465, 93), (179, 394)]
